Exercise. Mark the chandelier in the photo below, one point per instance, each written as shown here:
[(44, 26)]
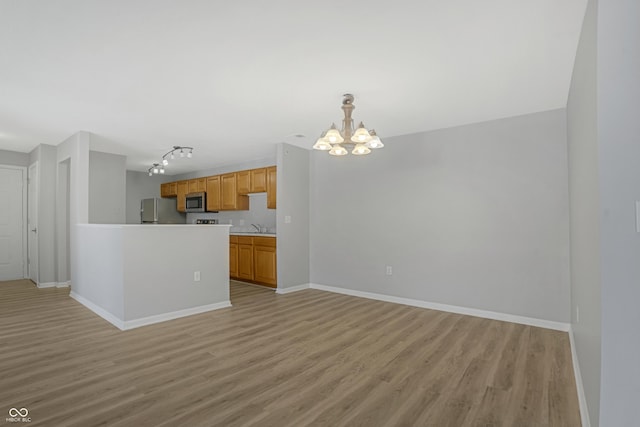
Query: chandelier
[(359, 140), (158, 168)]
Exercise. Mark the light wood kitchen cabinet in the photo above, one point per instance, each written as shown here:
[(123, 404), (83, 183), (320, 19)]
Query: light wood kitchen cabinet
[(264, 260), (271, 187), (197, 185), (258, 180), (169, 189), (245, 257), (214, 201), (253, 259), (182, 190), (231, 200), (233, 256), (243, 180)]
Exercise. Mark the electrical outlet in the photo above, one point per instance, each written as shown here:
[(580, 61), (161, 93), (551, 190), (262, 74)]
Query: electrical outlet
[(287, 219), (389, 270), (242, 222), (196, 276)]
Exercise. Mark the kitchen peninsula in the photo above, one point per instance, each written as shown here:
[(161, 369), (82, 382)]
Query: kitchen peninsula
[(134, 275)]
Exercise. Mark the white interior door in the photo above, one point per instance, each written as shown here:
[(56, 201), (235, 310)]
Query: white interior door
[(32, 219), (12, 243)]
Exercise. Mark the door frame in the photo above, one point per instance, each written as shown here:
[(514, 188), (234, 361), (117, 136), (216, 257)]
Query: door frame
[(33, 263), (23, 169)]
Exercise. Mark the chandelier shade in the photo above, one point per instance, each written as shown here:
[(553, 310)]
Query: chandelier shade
[(337, 142)]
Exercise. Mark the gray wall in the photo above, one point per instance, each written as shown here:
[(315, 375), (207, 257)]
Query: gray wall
[(14, 158), (582, 141), (293, 202), (474, 216), (46, 156), (619, 169), (141, 186), (107, 188)]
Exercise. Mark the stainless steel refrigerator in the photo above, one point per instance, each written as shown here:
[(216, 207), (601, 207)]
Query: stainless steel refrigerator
[(160, 211)]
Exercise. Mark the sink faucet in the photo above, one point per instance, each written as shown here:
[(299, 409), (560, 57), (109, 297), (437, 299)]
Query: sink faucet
[(257, 227)]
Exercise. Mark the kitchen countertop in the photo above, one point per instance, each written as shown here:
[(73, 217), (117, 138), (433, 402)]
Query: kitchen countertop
[(249, 233)]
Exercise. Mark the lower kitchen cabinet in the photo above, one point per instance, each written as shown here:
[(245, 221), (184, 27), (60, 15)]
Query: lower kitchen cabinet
[(264, 260), (253, 259), (245, 261), (233, 256)]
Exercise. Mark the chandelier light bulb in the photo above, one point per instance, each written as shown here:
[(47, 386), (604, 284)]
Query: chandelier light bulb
[(181, 153), (360, 150), (155, 168), (361, 135), (150, 173), (162, 169), (375, 141), (165, 162), (189, 154), (338, 150), (172, 156)]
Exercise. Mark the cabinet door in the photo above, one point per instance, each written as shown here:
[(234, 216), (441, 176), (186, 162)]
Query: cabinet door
[(271, 187), (231, 200), (245, 261), (243, 180), (264, 261), (197, 185), (182, 188), (233, 260), (258, 180), (213, 194), (168, 189)]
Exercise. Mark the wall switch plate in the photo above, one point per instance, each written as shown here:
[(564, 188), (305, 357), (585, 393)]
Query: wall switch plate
[(242, 222), (287, 219), (196, 276), (577, 314), (389, 270)]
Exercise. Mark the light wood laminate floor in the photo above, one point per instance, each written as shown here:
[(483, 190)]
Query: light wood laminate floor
[(306, 358)]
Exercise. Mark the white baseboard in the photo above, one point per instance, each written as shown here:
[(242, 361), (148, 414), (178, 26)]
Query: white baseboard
[(124, 325), (136, 323), (63, 284), (43, 285), (530, 321), (582, 398), (283, 291), (115, 321)]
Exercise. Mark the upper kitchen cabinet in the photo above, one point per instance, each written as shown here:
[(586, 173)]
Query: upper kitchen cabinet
[(197, 185), (271, 187), (258, 180), (214, 199), (243, 182), (169, 189), (231, 200), (182, 190)]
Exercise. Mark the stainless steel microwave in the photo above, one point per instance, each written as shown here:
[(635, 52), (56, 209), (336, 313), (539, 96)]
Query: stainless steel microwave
[(196, 202)]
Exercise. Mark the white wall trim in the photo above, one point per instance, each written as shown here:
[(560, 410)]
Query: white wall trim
[(136, 323), (63, 284), (98, 310), (530, 321), (283, 291), (43, 285), (582, 398)]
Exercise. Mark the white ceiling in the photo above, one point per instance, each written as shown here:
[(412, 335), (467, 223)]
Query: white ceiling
[(234, 78)]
